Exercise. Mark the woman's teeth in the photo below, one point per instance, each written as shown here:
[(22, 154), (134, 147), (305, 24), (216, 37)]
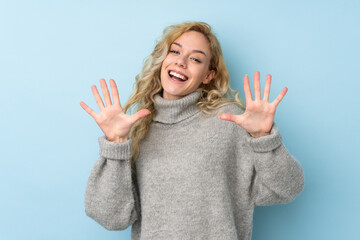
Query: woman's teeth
[(180, 76)]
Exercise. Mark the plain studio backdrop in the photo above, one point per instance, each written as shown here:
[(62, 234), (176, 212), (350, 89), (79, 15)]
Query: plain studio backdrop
[(51, 52)]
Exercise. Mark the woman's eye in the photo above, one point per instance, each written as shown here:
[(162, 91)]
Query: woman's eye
[(196, 60), (174, 51)]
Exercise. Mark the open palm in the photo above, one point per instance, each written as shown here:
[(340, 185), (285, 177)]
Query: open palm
[(259, 114), (114, 123)]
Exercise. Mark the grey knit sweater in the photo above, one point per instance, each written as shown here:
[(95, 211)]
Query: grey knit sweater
[(198, 177)]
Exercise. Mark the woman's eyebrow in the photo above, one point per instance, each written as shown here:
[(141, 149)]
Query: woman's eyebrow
[(195, 50)]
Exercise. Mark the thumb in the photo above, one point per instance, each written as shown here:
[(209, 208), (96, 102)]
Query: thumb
[(230, 117), (140, 114)]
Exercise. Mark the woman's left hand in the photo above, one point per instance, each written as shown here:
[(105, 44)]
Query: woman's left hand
[(259, 114)]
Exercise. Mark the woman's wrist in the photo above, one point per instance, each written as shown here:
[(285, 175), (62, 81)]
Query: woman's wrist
[(117, 139), (257, 135)]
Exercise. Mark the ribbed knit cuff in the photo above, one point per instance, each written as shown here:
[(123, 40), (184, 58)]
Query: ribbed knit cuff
[(266, 143), (112, 150)]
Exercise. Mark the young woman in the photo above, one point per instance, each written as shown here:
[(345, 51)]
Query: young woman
[(175, 169)]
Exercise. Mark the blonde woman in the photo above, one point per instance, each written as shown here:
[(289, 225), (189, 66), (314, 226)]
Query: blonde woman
[(175, 169)]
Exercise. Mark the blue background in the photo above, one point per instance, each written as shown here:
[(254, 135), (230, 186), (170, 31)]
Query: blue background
[(51, 52)]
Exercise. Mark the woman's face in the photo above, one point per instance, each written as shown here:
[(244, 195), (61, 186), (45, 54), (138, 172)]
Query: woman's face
[(186, 66)]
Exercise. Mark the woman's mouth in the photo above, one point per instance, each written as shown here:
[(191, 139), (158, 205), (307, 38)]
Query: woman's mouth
[(177, 76)]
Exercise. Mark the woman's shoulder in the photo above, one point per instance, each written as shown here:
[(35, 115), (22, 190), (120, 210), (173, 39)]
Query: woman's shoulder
[(213, 116), (231, 108), (220, 129)]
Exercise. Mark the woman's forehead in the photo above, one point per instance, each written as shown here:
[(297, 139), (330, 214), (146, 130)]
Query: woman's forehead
[(193, 40)]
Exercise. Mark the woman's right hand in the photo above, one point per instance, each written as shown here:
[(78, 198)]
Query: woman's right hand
[(114, 123)]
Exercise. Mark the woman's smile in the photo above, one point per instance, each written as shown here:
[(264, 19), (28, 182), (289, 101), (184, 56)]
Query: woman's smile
[(177, 76)]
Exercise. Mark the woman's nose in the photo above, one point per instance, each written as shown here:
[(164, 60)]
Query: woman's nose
[(181, 61)]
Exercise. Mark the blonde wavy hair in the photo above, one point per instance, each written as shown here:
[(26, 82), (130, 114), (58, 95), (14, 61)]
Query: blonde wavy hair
[(213, 95)]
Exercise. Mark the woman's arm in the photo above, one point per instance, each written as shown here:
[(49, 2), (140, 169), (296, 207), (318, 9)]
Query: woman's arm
[(277, 175), (111, 196)]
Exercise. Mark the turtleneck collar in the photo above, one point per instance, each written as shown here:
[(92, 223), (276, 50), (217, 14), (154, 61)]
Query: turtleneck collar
[(174, 111)]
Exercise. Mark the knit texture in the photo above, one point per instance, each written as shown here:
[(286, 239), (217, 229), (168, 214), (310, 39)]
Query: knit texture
[(198, 177)]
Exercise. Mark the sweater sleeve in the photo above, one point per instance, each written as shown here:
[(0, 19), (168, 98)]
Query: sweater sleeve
[(111, 197), (277, 175)]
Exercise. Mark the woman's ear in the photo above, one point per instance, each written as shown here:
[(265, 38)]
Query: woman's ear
[(209, 77)]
